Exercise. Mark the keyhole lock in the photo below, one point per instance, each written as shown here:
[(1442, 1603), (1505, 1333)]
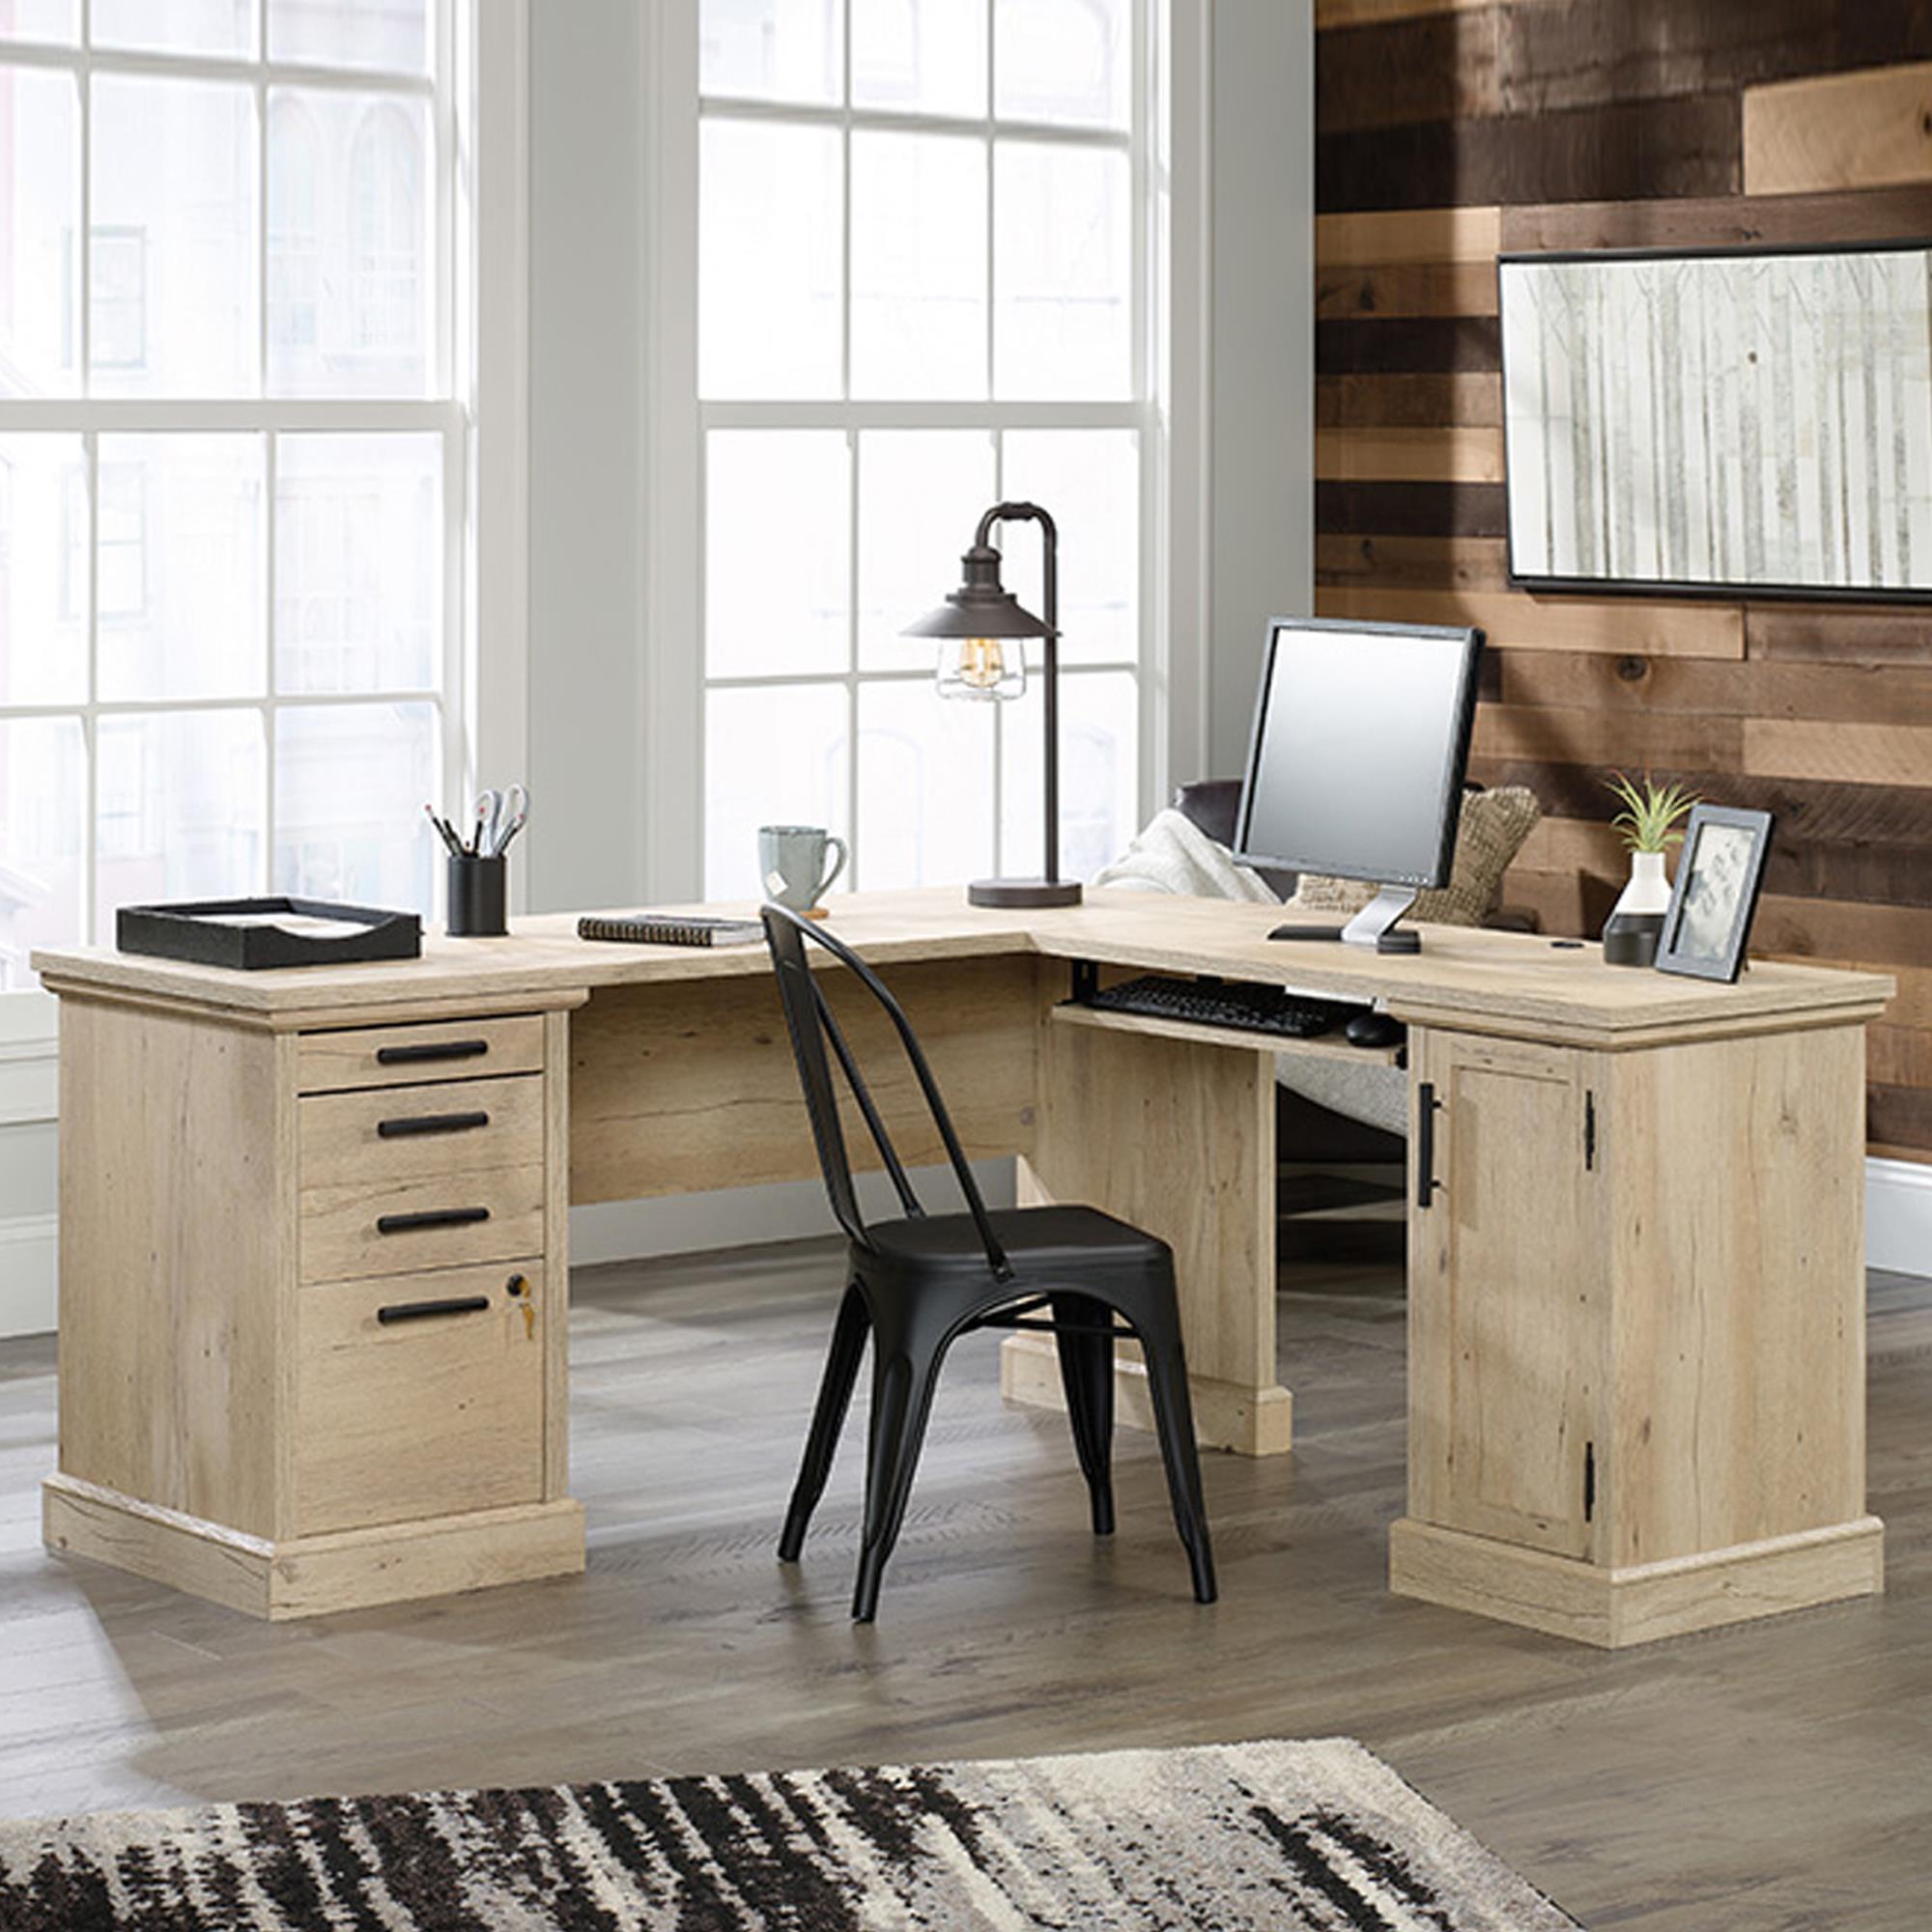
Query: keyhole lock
[(519, 1288)]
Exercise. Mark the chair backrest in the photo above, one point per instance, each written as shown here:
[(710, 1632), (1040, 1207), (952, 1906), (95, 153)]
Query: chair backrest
[(809, 1021)]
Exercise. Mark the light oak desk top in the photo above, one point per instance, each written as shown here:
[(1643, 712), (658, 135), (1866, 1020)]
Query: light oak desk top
[(314, 1236), (1510, 983)]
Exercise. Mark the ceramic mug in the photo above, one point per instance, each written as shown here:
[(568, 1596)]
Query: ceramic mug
[(791, 861)]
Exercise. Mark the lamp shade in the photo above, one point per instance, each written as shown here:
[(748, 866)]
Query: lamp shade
[(980, 608)]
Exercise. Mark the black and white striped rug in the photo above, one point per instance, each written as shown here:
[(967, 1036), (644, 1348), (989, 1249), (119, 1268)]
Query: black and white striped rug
[(1222, 1838)]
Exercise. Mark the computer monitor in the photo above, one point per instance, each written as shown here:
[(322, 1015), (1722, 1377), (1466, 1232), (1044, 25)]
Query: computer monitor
[(1361, 740)]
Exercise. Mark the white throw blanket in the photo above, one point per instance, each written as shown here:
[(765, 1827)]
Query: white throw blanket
[(1174, 855)]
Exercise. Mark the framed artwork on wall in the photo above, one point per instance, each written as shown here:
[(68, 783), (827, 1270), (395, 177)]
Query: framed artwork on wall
[(1744, 421)]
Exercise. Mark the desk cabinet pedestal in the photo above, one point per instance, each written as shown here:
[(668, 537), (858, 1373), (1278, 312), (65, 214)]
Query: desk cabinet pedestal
[(1177, 1138), (312, 1304), (1636, 1371)]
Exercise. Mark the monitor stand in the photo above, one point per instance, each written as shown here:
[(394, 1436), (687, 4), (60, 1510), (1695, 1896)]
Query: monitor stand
[(1373, 925)]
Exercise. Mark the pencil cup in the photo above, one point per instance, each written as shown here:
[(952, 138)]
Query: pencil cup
[(479, 896)]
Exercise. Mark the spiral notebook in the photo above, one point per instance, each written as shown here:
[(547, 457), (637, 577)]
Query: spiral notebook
[(651, 929)]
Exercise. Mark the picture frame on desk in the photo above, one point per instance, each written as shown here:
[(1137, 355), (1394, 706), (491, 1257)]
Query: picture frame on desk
[(1714, 897)]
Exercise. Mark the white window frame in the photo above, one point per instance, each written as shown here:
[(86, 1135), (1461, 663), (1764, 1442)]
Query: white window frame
[(480, 133), (1166, 391)]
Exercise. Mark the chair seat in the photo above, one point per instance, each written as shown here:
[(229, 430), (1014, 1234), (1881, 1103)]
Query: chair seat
[(1039, 1241)]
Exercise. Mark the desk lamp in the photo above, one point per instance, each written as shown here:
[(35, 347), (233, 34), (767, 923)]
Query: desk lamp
[(973, 626)]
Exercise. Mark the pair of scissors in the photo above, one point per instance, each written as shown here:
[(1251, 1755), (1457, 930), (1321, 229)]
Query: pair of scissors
[(499, 816)]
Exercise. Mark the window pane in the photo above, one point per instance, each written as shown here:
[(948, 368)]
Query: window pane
[(350, 782), (179, 797), (43, 546), (772, 49), (776, 553), (1089, 480), (391, 35), (919, 266), (1062, 61), (173, 305), (1099, 774), (42, 799), (175, 26), (180, 577), (351, 200), (925, 786), (1062, 273), (40, 215), (359, 562), (41, 21), (769, 261), (921, 495), (919, 56), (773, 755)]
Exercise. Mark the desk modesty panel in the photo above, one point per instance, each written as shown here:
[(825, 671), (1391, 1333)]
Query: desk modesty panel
[(1636, 1399)]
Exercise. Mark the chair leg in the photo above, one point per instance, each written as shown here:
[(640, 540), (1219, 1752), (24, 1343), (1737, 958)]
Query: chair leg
[(828, 1418), (1087, 1375), (903, 1384), (1174, 1420)]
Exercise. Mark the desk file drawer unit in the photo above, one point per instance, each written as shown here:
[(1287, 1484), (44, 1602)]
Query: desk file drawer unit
[(344, 1246)]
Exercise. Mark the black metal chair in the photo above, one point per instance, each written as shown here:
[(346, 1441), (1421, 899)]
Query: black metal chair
[(921, 1282)]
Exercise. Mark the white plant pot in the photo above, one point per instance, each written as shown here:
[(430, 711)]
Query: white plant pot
[(1649, 886)]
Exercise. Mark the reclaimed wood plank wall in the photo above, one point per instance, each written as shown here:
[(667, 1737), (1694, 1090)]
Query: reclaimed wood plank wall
[(1448, 129)]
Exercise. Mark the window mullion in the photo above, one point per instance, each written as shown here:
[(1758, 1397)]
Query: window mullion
[(83, 285), (90, 445), (270, 463)]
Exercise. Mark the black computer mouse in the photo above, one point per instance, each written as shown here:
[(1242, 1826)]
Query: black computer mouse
[(1376, 1029)]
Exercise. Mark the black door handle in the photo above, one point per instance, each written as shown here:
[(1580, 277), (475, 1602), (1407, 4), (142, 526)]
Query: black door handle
[(434, 1217), (431, 1049), (417, 1310), (1426, 1106), (431, 1123)]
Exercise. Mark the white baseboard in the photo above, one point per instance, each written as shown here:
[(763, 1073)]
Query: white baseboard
[(1898, 1216), (29, 1273)]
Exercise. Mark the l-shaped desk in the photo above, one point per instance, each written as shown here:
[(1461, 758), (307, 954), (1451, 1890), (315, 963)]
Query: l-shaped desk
[(314, 1280)]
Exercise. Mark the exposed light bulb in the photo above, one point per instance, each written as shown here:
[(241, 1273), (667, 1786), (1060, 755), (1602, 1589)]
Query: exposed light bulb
[(983, 665)]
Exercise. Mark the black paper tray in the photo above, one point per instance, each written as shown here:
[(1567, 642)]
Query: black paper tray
[(204, 931)]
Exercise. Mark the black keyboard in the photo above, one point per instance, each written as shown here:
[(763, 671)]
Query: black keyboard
[(1221, 1003)]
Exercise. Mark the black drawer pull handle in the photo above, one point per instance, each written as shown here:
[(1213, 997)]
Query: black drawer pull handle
[(416, 1311), (434, 1218), (431, 1049), (431, 1123), (1426, 1106)]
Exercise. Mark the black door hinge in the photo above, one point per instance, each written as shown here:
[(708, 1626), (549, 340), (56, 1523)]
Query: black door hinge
[(1589, 1481), (1589, 1130)]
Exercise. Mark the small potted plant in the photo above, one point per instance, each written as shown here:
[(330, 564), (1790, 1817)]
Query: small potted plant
[(1650, 823)]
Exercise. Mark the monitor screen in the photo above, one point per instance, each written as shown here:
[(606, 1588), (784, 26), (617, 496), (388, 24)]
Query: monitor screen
[(1360, 742)]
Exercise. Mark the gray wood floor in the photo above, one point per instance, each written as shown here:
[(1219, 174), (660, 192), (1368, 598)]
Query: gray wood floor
[(1775, 1776)]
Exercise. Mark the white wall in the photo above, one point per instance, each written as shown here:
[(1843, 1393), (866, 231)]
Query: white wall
[(586, 437), (1262, 349)]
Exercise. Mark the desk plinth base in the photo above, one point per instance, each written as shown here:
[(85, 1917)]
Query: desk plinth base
[(312, 1576), (1617, 1608), (1251, 1422)]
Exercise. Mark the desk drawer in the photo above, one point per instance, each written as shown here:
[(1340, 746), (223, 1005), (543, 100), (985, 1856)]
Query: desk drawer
[(454, 1127), (434, 1410), (397, 1225), (395, 1055)]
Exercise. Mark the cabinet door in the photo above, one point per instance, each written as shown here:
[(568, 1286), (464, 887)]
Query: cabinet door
[(1506, 1306)]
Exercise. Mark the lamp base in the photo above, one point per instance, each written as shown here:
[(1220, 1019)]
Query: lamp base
[(1023, 893)]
